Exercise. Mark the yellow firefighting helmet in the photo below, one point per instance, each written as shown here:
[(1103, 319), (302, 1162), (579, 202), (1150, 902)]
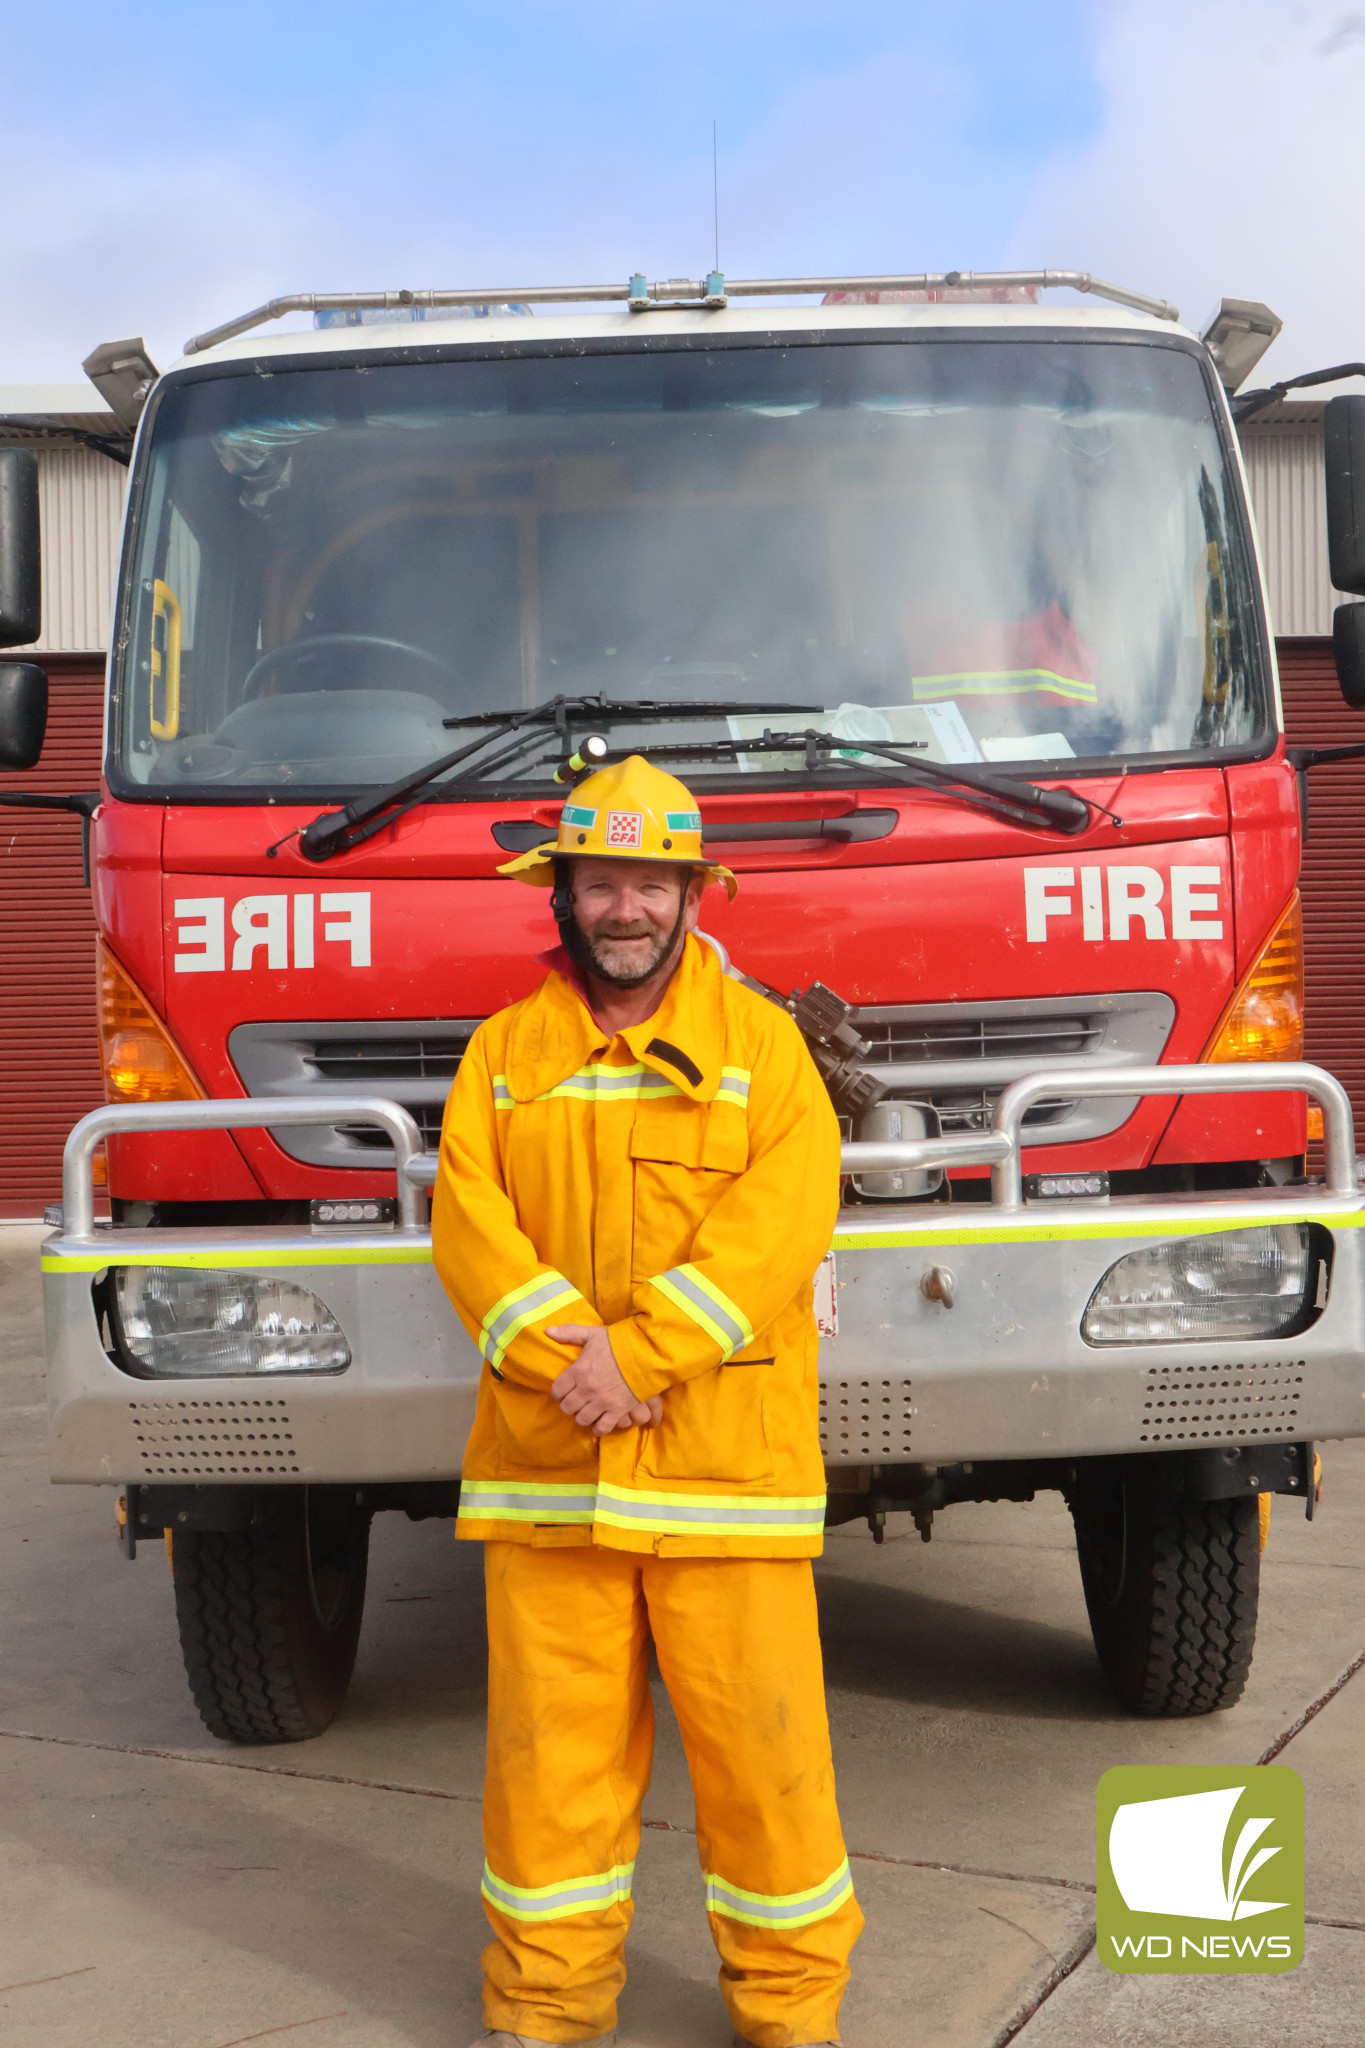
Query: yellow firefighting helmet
[(629, 811)]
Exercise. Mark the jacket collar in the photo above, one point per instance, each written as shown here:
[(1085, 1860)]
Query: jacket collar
[(555, 1033)]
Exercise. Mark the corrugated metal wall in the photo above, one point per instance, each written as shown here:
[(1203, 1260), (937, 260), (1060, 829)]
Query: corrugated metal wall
[(80, 495), (1316, 714), (1284, 462), (49, 1071)]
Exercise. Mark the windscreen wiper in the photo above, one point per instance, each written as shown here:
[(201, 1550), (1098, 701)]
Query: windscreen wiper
[(1062, 810), (1024, 803), (637, 707), (338, 831)]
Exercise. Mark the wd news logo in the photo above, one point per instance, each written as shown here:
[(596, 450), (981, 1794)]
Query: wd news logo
[(1200, 1871)]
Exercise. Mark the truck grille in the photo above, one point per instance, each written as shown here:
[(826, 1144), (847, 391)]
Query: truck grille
[(908, 1041), (387, 1059), (412, 1061), (959, 1112), (957, 1057), (905, 1038), (426, 1115)]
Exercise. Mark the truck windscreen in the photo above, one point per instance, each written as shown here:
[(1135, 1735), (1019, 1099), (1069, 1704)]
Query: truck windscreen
[(1017, 549)]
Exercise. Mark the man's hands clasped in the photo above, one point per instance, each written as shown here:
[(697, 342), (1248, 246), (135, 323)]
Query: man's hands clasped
[(592, 1391)]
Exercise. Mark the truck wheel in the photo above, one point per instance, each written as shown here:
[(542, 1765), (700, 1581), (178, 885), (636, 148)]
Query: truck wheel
[(269, 1615), (1171, 1586)]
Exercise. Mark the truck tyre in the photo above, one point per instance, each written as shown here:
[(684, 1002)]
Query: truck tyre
[(1171, 1586), (269, 1615)]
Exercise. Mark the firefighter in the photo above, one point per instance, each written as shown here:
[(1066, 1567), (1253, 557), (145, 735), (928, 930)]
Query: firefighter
[(639, 1175)]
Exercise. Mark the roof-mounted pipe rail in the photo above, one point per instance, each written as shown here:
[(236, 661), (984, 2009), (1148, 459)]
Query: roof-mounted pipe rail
[(713, 291)]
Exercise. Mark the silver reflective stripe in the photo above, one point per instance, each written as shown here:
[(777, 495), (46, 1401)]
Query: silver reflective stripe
[(706, 1305), (800, 1515), (580, 1501), (530, 1501), (523, 1305), (559, 1901), (780, 1909), (591, 1084)]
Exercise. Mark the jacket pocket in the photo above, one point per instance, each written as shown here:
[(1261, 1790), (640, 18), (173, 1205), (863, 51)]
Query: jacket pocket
[(684, 1160), (681, 1133), (714, 1428), (535, 1435)]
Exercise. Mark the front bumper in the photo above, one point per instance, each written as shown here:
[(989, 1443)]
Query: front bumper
[(1002, 1373)]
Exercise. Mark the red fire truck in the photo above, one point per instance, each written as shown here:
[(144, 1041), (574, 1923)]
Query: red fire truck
[(951, 614)]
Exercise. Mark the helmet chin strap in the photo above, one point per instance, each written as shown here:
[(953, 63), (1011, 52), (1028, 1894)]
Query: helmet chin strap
[(562, 897), (577, 947)]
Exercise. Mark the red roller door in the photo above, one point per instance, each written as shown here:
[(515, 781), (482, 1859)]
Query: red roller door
[(1316, 714), (49, 1072)]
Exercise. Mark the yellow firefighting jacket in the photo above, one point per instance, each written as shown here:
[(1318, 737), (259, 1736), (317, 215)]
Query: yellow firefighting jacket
[(680, 1185)]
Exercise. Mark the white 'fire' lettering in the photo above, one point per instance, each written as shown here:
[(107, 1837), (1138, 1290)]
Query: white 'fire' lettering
[(264, 924), (1136, 898)]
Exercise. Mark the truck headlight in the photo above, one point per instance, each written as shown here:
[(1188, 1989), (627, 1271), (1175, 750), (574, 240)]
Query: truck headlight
[(1229, 1284), (180, 1322)]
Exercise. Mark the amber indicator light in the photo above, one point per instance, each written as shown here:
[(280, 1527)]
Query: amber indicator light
[(139, 1058)]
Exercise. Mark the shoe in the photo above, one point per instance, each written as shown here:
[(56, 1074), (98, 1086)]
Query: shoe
[(500, 2038)]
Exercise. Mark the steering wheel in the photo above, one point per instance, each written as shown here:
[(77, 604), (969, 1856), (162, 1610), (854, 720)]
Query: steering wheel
[(293, 651)]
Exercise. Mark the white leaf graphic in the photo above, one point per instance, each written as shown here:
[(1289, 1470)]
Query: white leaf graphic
[(1167, 1857)]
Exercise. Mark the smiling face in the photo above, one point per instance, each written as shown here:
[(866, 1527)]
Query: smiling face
[(634, 915)]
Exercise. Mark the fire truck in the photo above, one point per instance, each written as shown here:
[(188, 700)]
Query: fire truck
[(943, 595)]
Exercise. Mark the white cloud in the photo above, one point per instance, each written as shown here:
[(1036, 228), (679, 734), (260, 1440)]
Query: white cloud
[(98, 250), (1228, 164), (110, 241)]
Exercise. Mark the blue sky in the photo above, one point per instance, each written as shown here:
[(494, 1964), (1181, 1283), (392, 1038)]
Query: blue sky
[(162, 168)]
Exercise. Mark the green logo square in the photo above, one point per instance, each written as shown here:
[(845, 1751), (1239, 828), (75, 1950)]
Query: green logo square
[(1200, 1871)]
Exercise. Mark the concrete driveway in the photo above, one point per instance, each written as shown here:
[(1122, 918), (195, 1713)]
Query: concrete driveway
[(160, 1890)]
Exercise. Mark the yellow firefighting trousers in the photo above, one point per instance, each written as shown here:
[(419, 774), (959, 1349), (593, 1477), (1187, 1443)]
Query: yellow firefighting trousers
[(570, 1739)]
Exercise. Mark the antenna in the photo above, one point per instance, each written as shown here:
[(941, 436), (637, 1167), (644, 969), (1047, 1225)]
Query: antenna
[(715, 190)]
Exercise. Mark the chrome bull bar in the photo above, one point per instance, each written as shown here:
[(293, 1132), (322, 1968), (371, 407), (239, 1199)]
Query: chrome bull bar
[(252, 1113), (1263, 1078), (996, 1366), (999, 1148)]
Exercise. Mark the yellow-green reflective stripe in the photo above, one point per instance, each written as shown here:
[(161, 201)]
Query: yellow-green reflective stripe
[(734, 1084), (782, 1909), (527, 1500), (653, 1513), (864, 1240), (1002, 683), (237, 1258), (713, 1514), (232, 1259), (522, 1305), (558, 1901), (712, 1311), (502, 1094)]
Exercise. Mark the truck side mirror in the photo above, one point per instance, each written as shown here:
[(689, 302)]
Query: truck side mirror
[(23, 713), (21, 610), (1348, 646), (1343, 431)]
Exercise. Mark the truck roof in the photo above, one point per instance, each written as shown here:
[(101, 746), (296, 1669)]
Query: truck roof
[(592, 323)]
